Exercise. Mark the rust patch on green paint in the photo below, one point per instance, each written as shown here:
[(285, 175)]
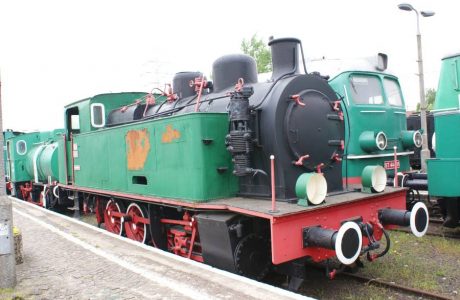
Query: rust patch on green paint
[(170, 134), (138, 146)]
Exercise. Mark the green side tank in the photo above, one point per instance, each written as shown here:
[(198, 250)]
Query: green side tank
[(42, 162), (444, 170), (28, 151)]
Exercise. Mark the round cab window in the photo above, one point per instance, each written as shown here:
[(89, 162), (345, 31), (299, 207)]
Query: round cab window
[(21, 147)]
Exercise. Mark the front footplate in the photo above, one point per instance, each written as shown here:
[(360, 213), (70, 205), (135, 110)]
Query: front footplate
[(328, 231)]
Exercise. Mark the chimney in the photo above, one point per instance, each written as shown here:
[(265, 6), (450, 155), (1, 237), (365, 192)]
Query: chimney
[(285, 56)]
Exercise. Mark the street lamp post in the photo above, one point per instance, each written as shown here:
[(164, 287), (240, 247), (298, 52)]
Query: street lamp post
[(7, 259), (425, 152)]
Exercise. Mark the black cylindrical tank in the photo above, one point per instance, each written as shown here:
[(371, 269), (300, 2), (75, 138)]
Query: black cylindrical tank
[(285, 56), (126, 114), (227, 69), (181, 83)]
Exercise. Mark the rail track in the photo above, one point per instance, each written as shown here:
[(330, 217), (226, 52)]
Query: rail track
[(87, 218), (437, 230), (394, 286)]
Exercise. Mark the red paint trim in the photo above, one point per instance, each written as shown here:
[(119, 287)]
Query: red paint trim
[(272, 167), (118, 214), (192, 242), (299, 162), (351, 180), (318, 168), (395, 162), (200, 91), (337, 105), (286, 232), (167, 201), (176, 222), (297, 99), (137, 219)]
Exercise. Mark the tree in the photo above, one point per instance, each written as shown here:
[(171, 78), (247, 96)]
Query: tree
[(256, 48), (430, 97)]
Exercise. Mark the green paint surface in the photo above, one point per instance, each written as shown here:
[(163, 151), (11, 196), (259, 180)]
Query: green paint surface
[(360, 116), (181, 166), (444, 170), (40, 146)]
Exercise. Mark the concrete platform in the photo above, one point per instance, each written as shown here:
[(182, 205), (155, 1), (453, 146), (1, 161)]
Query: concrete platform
[(66, 259)]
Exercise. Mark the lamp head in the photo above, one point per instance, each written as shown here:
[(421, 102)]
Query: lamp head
[(427, 13), (405, 6)]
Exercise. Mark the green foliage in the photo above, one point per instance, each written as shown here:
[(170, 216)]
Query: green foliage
[(430, 96), (256, 48)]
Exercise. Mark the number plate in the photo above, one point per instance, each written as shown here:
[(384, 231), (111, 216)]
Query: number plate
[(390, 164)]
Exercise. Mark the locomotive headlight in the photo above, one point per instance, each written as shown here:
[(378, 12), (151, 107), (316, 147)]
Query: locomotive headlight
[(371, 141), (418, 139), (411, 138), (381, 140)]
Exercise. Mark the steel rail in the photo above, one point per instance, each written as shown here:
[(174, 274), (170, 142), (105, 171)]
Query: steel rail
[(395, 286), (437, 234)]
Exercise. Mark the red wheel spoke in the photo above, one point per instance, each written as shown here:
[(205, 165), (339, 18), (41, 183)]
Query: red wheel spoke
[(136, 225), (112, 220)]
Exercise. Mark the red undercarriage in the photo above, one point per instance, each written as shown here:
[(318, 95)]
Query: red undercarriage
[(26, 194), (286, 230)]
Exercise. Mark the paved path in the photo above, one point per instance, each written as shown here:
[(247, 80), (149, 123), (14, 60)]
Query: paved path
[(64, 259)]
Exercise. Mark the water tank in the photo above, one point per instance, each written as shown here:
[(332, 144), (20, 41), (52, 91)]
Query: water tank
[(43, 159)]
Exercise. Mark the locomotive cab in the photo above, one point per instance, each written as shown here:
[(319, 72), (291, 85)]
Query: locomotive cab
[(88, 115)]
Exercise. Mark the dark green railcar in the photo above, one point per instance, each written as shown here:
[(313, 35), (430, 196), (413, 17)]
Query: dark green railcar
[(444, 170), (32, 164)]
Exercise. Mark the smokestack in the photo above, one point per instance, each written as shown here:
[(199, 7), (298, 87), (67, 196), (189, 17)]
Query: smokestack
[(285, 56)]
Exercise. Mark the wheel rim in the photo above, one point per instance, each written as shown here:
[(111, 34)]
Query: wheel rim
[(112, 223), (135, 231)]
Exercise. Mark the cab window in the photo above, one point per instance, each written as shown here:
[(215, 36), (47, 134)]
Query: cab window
[(72, 121), (21, 147), (366, 90), (97, 115), (393, 92)]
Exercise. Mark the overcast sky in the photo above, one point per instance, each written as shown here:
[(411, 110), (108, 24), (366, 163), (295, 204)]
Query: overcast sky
[(55, 52)]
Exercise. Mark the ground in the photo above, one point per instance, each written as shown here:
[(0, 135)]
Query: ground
[(429, 263)]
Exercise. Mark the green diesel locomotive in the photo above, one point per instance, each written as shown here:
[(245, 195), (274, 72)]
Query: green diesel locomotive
[(374, 114), (444, 170)]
